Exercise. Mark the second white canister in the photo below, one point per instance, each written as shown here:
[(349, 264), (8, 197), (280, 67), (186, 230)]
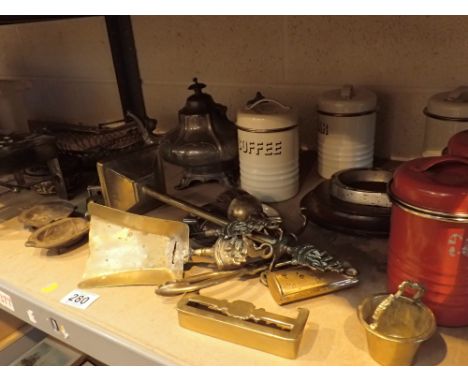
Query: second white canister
[(346, 130), (268, 149), (446, 114)]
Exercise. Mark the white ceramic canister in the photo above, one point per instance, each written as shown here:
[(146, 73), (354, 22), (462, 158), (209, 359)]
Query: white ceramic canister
[(268, 149), (346, 130), (446, 114)]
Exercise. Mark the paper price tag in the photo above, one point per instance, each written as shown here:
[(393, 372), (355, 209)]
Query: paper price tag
[(79, 299), (5, 300)]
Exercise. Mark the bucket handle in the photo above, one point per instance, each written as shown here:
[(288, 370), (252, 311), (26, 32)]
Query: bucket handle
[(435, 161), (405, 285), (269, 100)]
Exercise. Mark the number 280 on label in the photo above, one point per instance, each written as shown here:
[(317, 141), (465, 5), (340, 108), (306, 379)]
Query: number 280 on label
[(79, 299)]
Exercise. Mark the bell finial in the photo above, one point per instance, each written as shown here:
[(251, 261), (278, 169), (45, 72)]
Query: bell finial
[(196, 86)]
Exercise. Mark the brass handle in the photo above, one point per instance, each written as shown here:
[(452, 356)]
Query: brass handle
[(204, 280), (410, 285)]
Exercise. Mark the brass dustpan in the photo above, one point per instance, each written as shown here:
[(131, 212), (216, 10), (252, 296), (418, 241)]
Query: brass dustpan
[(130, 249)]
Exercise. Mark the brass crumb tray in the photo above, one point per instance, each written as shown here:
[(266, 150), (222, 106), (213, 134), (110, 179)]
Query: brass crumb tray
[(130, 249), (241, 323)]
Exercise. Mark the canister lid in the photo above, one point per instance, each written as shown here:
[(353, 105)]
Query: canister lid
[(453, 104), (437, 184), (347, 100), (266, 114), (458, 144)]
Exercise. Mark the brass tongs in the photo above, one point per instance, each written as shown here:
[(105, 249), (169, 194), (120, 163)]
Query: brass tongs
[(206, 279)]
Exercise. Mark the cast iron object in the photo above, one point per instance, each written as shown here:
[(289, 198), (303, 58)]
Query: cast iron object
[(323, 209), (20, 151), (91, 143), (204, 143)]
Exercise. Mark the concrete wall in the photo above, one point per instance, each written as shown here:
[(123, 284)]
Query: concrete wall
[(403, 59)]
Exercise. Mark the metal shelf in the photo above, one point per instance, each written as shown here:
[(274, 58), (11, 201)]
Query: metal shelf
[(133, 326), (107, 347)]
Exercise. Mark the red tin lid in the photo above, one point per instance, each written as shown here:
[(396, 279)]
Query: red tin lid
[(438, 184), (458, 144)]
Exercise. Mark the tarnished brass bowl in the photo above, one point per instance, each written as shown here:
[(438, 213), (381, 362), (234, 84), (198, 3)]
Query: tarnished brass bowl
[(60, 234), (45, 213)]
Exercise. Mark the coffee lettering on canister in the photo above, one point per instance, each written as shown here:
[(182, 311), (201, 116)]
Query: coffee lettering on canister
[(243, 146), (259, 148), (277, 148), (251, 147)]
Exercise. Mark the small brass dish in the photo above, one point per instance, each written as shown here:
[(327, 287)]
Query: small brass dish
[(45, 213), (60, 234)]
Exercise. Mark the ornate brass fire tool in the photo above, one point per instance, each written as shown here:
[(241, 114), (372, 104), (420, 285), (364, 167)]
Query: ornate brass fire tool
[(251, 241), (241, 323), (257, 231)]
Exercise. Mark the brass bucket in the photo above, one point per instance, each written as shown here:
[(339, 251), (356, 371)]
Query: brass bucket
[(396, 325)]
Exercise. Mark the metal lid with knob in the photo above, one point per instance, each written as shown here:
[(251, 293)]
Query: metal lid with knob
[(347, 101), (451, 105), (266, 115), (199, 102)]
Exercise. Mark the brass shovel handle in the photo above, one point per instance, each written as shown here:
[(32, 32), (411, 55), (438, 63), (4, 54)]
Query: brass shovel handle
[(192, 209)]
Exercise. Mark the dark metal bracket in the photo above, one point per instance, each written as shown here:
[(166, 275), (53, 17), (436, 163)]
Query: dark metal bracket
[(124, 56)]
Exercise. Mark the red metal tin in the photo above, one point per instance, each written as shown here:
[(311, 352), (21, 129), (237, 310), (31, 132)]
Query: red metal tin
[(458, 144), (429, 234)]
